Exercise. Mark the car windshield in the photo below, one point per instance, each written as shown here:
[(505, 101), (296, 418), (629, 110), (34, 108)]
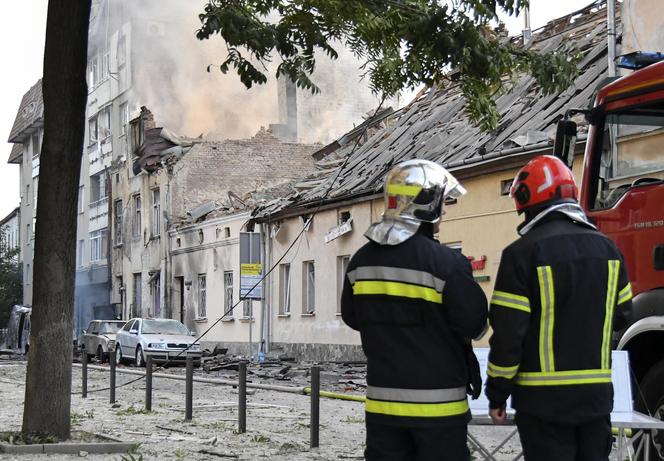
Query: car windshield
[(167, 327), (110, 327)]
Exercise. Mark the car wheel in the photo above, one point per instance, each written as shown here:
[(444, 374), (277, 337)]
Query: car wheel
[(652, 391), (140, 360), (100, 354), (118, 355)]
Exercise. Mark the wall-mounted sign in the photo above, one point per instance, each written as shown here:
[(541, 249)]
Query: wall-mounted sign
[(477, 264), (251, 267), (339, 230)]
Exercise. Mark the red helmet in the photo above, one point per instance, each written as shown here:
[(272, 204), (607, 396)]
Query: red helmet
[(545, 179)]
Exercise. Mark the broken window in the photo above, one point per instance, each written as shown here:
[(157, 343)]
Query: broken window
[(98, 245), (228, 293), (284, 289), (93, 72), (309, 287), (136, 224), (156, 212), (98, 188), (202, 294), (342, 266), (117, 214), (105, 66), (104, 123)]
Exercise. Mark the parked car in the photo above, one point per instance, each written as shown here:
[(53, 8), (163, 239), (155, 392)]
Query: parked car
[(99, 338), (166, 340)]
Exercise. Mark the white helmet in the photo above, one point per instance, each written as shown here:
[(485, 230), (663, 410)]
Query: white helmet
[(414, 193)]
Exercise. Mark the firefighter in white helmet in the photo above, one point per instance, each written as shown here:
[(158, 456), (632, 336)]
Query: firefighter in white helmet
[(416, 305)]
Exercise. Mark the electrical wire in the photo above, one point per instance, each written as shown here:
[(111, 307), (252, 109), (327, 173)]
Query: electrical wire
[(274, 266)]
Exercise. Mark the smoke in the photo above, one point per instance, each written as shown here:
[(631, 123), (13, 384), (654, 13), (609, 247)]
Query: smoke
[(169, 75)]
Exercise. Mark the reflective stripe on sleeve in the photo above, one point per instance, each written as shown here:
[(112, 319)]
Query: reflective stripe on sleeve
[(511, 300), (416, 395), (563, 378), (611, 290), (496, 371), (547, 297), (405, 290), (396, 274), (625, 294), (421, 410), (403, 189)]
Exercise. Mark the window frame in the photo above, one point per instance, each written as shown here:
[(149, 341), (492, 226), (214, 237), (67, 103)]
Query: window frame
[(285, 290), (201, 308), (308, 292)]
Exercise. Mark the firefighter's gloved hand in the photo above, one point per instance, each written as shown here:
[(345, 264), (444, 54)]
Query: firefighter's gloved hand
[(474, 388)]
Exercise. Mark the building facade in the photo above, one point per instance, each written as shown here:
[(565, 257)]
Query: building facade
[(10, 228)]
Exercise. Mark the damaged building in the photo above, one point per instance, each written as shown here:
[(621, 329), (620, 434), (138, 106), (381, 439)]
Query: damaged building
[(303, 292), (178, 206)]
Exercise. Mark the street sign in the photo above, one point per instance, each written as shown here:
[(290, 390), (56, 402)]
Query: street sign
[(251, 267)]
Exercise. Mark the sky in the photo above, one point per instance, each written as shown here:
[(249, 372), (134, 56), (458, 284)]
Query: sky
[(22, 31)]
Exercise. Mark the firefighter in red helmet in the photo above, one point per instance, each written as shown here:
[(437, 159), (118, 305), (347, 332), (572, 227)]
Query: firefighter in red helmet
[(560, 291)]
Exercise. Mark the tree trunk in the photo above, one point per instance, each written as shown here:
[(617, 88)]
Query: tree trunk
[(48, 383)]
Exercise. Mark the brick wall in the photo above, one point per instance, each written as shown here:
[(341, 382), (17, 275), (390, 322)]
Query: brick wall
[(212, 169)]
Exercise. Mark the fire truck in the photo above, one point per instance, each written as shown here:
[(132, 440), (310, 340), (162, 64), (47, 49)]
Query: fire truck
[(622, 192)]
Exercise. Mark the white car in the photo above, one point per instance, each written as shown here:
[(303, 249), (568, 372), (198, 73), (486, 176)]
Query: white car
[(166, 340)]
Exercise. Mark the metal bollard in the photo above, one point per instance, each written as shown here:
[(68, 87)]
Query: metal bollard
[(84, 372), (112, 359), (148, 382), (189, 379), (315, 405), (242, 398)]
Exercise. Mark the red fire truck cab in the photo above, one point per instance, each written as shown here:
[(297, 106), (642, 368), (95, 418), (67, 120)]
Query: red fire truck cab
[(622, 192)]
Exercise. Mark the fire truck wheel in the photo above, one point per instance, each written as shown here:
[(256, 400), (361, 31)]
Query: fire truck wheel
[(652, 388)]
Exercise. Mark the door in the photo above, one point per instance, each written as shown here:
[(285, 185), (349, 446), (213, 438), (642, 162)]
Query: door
[(178, 296)]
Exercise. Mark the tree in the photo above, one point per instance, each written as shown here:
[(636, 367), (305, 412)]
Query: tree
[(402, 43), (11, 280), (47, 408)]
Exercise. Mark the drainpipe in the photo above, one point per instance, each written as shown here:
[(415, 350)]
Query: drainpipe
[(611, 19), (527, 31)]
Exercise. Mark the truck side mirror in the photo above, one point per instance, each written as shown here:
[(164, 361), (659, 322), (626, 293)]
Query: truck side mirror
[(565, 142)]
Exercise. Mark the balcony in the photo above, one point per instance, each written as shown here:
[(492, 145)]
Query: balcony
[(98, 214), (100, 155)]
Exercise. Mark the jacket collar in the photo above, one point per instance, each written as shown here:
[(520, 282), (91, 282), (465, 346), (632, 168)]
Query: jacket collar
[(572, 211)]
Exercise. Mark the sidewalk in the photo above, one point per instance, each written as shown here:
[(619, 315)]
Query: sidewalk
[(277, 422)]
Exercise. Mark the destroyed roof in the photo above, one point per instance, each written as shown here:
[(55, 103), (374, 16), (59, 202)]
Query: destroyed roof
[(30, 111), (159, 145), (436, 127)]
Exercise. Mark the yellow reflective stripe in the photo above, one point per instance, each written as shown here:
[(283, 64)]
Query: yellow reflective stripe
[(505, 299), (421, 410), (403, 189), (625, 294), (611, 289), (406, 290), (563, 378), (547, 299), (496, 371)]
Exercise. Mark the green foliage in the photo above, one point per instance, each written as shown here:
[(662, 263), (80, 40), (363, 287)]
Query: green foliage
[(403, 43), (77, 418), (11, 280)]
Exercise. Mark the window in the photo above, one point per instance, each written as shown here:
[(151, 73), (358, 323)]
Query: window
[(117, 215), (202, 294), (227, 232), (342, 266), (155, 292), (93, 72), (28, 233), (93, 133), (36, 146), (81, 199), (81, 253), (128, 325), (308, 287), (247, 309), (122, 51), (228, 292), (104, 123), (136, 224), (138, 294), (284, 289), (98, 245), (505, 186), (98, 188), (156, 212), (124, 118), (105, 66)]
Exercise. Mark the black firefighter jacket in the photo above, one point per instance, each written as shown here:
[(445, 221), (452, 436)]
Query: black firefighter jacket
[(560, 292), (413, 304)]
